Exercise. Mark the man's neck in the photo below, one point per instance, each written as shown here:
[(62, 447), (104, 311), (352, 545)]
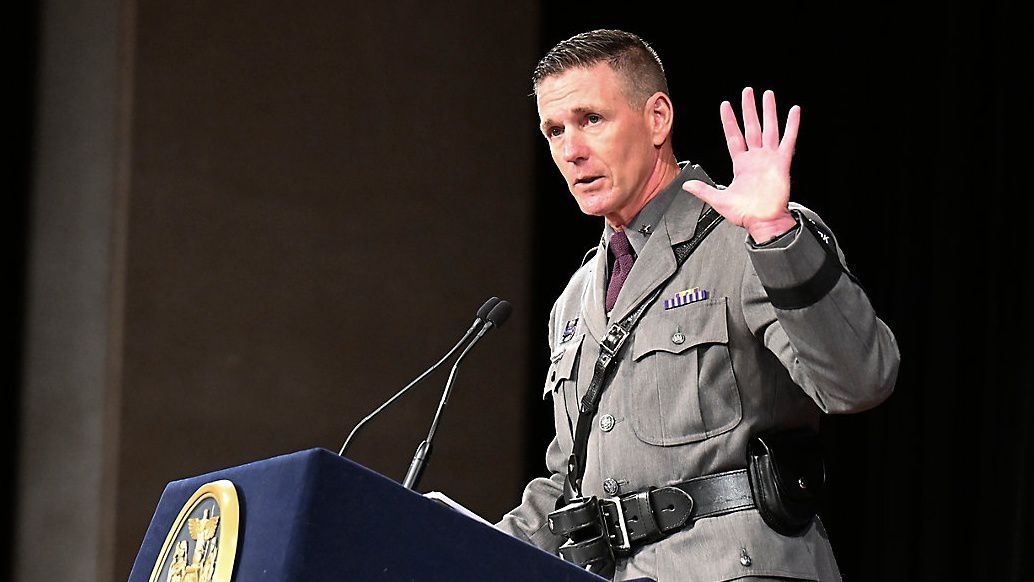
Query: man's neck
[(665, 170)]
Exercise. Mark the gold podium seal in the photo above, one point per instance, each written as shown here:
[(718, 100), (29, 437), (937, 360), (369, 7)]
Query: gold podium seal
[(202, 543)]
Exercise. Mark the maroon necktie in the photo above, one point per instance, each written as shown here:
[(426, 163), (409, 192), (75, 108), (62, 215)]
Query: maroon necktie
[(621, 249)]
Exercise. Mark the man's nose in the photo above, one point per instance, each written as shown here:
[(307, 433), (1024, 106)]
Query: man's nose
[(575, 148)]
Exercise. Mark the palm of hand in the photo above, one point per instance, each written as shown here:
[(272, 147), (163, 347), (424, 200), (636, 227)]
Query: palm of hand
[(760, 189)]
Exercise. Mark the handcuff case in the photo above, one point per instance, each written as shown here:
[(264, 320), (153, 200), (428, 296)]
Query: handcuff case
[(787, 478)]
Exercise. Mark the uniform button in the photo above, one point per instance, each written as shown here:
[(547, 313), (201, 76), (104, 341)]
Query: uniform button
[(745, 560), (606, 423), (678, 338), (611, 487)]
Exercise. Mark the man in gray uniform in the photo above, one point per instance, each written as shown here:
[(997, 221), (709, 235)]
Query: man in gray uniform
[(761, 329)]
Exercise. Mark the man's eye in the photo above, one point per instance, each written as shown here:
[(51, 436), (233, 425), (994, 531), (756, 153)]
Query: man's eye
[(554, 131), (593, 118)]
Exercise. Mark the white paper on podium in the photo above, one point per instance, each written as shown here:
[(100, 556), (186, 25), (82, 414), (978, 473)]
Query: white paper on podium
[(448, 502)]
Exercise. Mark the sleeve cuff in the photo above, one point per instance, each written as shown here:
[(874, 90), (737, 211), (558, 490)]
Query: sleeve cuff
[(796, 271), (780, 242)]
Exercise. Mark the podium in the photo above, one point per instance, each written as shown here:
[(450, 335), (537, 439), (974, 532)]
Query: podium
[(313, 516)]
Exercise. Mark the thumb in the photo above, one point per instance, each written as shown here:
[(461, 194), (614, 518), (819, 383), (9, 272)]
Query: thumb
[(702, 190)]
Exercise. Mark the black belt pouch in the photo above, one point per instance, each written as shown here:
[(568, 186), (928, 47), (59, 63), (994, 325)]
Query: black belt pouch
[(787, 478)]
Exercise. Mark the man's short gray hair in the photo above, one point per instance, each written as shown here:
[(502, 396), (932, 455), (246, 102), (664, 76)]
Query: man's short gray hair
[(627, 54)]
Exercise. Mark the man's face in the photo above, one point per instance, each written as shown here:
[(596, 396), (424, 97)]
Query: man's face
[(602, 145)]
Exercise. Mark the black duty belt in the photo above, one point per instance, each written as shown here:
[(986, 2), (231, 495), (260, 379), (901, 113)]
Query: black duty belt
[(646, 516)]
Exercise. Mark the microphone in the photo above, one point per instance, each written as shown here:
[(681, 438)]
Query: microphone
[(487, 310), (495, 318)]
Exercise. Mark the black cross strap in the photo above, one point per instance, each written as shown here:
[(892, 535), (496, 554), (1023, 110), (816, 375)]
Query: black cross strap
[(610, 347)]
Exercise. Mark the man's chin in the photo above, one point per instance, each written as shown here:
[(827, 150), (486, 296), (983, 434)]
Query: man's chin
[(592, 210), (590, 205)]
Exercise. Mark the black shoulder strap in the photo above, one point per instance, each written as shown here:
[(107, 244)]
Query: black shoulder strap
[(589, 254), (610, 348)]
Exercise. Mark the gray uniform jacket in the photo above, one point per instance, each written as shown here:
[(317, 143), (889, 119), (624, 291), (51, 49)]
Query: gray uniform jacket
[(697, 381)]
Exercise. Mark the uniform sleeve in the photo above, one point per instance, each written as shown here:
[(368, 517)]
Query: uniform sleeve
[(801, 301), (528, 520)]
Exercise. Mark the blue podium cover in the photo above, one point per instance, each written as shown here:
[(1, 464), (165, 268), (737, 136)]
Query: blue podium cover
[(313, 516)]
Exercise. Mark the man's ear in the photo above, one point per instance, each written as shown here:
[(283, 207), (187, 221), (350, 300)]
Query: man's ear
[(659, 117)]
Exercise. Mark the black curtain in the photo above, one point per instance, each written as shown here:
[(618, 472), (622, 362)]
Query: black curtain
[(914, 146)]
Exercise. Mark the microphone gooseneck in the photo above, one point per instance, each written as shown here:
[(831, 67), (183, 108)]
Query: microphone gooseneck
[(496, 317), (484, 313)]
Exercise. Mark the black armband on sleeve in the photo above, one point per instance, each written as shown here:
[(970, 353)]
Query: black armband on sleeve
[(809, 292), (820, 284)]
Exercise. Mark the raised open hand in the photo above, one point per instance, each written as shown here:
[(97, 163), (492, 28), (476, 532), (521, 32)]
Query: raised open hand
[(759, 193)]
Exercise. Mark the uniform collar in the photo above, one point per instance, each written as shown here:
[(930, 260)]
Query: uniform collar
[(678, 213), (648, 220)]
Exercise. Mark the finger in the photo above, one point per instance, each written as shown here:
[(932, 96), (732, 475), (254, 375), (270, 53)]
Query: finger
[(793, 121), (733, 136), (751, 125), (770, 131), (703, 191)]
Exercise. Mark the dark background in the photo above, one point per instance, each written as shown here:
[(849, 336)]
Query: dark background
[(914, 147), (23, 22)]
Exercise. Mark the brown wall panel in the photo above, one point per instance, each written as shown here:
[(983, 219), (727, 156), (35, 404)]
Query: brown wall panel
[(320, 199)]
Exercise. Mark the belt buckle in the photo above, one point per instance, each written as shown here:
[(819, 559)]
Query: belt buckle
[(614, 522), (612, 341)]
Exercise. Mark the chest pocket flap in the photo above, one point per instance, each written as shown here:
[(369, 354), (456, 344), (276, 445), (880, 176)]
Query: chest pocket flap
[(683, 386), (562, 365), (677, 330)]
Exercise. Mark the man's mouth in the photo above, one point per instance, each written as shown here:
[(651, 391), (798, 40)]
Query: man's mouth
[(588, 180)]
